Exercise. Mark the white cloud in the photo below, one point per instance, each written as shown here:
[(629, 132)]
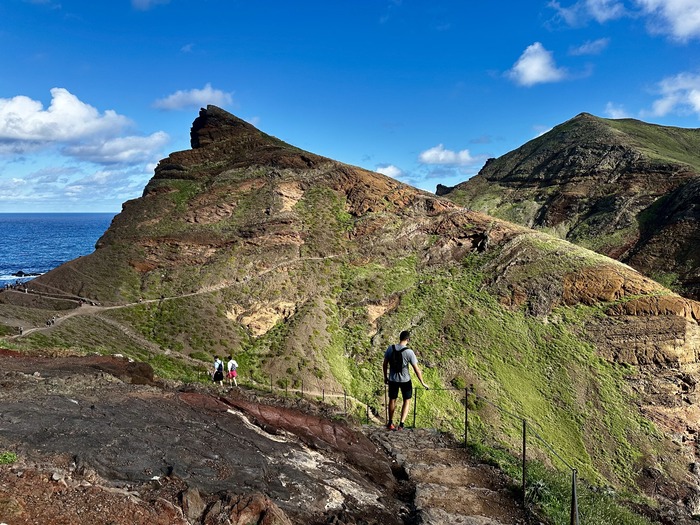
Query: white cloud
[(592, 47), (67, 119), (579, 13), (536, 66), (604, 10), (195, 98), (541, 129), (120, 150), (572, 15), (615, 111), (145, 5), (680, 93), (74, 129), (440, 155), (680, 18), (75, 187), (67, 139), (390, 171)]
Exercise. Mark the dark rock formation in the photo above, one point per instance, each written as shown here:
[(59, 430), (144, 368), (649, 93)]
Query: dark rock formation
[(214, 458)]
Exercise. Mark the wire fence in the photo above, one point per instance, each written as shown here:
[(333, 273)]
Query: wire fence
[(527, 430), (370, 409)]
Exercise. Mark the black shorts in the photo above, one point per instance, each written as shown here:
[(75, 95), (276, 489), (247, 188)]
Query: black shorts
[(406, 390)]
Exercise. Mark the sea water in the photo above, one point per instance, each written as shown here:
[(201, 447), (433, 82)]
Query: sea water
[(34, 243)]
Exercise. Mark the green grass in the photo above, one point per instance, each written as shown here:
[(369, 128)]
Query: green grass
[(543, 372), (7, 458), (549, 491), (325, 219), (661, 142), (173, 368)]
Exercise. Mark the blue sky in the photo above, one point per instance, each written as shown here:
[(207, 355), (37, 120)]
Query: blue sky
[(94, 93)]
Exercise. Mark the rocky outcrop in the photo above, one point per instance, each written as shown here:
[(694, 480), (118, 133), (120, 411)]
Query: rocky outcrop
[(155, 454), (451, 488)]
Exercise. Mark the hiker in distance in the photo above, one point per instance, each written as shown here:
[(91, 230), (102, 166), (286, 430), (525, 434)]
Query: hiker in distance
[(232, 365), (397, 376), (218, 376)]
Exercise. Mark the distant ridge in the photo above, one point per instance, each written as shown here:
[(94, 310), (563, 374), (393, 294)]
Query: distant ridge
[(625, 188)]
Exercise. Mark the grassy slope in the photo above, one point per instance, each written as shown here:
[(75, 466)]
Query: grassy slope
[(541, 370), (663, 143)]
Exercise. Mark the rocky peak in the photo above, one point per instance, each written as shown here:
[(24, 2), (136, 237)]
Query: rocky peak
[(216, 125), (222, 140), (608, 185)]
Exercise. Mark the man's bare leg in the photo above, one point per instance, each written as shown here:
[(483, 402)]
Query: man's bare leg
[(404, 409)]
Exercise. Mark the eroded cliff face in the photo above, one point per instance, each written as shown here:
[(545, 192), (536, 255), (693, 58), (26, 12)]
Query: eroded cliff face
[(623, 188), (307, 268)]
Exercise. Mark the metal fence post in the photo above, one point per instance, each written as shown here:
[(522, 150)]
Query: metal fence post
[(466, 416), (323, 394), (524, 458), (415, 402), (386, 406), (302, 389), (574, 498)]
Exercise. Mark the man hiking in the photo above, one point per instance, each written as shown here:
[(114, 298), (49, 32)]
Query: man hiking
[(397, 376)]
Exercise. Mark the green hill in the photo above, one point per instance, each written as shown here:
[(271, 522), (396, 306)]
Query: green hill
[(623, 188)]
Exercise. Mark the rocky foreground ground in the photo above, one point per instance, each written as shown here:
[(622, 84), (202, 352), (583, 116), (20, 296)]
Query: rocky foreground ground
[(99, 441)]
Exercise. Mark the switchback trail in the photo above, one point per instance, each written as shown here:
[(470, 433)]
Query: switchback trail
[(91, 308)]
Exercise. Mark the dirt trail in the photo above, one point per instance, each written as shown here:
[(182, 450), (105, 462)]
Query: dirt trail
[(90, 308), (450, 487)]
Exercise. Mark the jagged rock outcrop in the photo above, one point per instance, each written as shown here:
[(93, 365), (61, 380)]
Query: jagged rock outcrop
[(624, 188)]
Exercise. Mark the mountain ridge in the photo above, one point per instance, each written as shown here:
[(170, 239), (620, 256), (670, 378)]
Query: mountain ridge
[(624, 188)]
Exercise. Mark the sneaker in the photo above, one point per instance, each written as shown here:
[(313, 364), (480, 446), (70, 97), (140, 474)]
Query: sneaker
[(391, 426), (400, 427)]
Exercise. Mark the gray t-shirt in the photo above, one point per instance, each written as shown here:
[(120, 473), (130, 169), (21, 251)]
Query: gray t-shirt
[(408, 358)]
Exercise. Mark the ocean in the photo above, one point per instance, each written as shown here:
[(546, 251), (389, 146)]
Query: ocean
[(35, 243)]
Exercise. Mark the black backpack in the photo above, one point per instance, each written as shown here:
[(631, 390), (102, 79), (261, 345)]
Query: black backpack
[(396, 360)]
